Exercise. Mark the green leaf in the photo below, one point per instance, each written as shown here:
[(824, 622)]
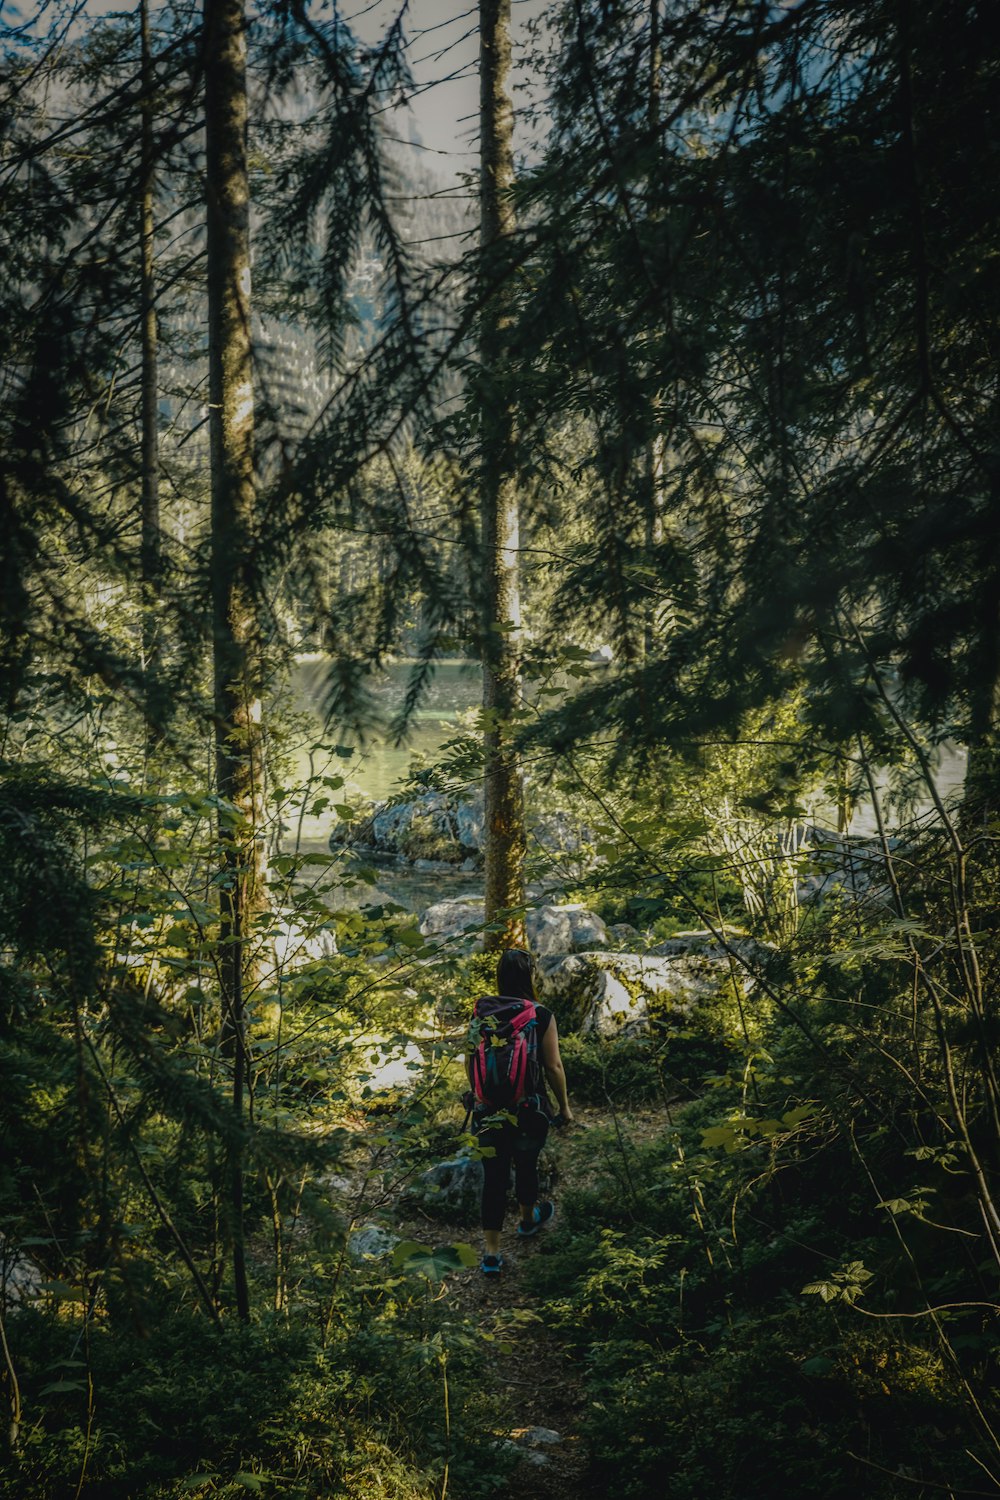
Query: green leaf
[(419, 1260), (828, 1290), (793, 1117)]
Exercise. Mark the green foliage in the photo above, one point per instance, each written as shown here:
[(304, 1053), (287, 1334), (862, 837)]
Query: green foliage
[(193, 1409), (667, 1063)]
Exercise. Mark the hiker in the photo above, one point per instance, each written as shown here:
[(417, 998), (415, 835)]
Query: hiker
[(514, 1053)]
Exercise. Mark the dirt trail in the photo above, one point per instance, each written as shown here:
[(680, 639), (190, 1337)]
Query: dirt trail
[(537, 1382)]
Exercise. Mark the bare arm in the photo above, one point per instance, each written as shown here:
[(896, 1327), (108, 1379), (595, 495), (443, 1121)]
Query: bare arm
[(554, 1070)]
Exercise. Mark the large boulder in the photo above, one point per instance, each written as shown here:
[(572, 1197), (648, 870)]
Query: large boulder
[(469, 823), (450, 1190), (615, 994), (435, 827), (551, 929), (447, 828), (559, 833), (564, 929), (453, 918)]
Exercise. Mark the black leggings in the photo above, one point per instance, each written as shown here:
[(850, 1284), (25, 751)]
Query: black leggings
[(518, 1145)]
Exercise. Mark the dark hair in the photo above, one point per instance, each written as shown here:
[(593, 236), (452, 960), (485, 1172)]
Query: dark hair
[(514, 974)]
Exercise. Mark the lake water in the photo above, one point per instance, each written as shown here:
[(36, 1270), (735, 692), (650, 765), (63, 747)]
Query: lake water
[(377, 768)]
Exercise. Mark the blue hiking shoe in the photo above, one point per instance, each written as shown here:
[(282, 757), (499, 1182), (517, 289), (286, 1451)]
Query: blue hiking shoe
[(491, 1265), (540, 1214)]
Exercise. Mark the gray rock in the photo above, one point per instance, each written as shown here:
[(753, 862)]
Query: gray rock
[(549, 931), (536, 1437), (389, 825), (624, 935), (372, 1242), (587, 927), (444, 827), (559, 834), (614, 994), (449, 919), (469, 822), (452, 1189), (705, 945)]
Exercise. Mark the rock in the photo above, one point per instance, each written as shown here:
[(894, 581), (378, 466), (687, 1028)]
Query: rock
[(549, 931), (435, 827), (705, 945), (447, 829), (452, 1189), (449, 919), (390, 824), (558, 833), (336, 1182), (469, 822), (530, 1456), (587, 927), (536, 1437), (612, 994), (372, 1242), (624, 935)]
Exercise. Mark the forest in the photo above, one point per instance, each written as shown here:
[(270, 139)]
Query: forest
[(592, 548)]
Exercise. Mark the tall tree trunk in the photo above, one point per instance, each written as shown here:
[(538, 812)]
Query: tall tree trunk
[(982, 778), (236, 654), (653, 528), (504, 835), (150, 556)]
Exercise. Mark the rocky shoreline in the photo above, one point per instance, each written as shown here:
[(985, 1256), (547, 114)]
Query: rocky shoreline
[(444, 831)]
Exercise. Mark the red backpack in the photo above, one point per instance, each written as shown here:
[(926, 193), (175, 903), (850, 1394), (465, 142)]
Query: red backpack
[(504, 1038)]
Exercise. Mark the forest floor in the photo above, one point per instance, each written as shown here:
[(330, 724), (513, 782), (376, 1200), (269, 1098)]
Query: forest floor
[(534, 1376)]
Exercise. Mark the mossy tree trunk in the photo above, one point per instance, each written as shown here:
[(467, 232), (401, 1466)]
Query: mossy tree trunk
[(504, 832), (150, 553), (236, 652)]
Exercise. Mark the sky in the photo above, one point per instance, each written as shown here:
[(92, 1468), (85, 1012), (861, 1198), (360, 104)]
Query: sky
[(443, 48)]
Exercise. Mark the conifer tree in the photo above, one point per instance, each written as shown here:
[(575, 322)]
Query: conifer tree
[(504, 829), (151, 560), (235, 643)]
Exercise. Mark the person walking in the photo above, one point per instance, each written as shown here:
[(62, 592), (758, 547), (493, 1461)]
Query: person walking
[(512, 1062)]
